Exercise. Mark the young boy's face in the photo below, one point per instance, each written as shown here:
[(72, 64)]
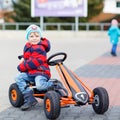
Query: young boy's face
[(34, 38)]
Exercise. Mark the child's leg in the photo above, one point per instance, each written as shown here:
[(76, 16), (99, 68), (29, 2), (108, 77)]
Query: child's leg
[(29, 99), (21, 79), (42, 83), (113, 51)]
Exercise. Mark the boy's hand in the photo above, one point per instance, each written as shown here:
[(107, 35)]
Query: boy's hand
[(21, 60)]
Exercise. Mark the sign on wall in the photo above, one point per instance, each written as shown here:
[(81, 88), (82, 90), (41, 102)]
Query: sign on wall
[(63, 8)]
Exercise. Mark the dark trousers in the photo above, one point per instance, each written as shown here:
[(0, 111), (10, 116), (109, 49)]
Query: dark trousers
[(113, 50)]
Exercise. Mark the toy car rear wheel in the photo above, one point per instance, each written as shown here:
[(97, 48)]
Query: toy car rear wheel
[(15, 95), (101, 100), (52, 105)]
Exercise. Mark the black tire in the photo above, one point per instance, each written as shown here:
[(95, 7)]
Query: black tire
[(101, 100), (52, 105), (15, 95)]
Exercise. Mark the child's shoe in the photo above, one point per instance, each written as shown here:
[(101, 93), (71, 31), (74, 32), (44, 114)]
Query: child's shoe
[(29, 101), (113, 54)]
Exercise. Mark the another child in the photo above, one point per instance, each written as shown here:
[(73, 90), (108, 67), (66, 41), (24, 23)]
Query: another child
[(114, 34), (34, 66)]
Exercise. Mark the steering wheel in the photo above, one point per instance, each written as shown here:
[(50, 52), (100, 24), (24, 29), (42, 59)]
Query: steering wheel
[(57, 60)]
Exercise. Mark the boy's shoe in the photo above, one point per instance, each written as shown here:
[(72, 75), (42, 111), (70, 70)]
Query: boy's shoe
[(58, 86), (29, 101), (113, 54), (55, 86)]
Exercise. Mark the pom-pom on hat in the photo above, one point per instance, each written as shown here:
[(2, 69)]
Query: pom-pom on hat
[(33, 28), (114, 22)]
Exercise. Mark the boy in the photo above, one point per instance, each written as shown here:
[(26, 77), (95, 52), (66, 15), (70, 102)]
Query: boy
[(34, 66), (114, 34)]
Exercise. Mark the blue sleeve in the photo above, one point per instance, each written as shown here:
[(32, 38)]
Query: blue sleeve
[(118, 31), (109, 31)]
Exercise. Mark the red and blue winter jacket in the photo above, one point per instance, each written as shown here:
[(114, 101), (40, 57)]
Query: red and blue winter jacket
[(35, 59)]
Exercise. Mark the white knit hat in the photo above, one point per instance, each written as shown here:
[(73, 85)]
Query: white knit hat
[(33, 28)]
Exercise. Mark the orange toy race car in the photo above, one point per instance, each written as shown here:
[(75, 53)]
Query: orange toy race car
[(73, 91)]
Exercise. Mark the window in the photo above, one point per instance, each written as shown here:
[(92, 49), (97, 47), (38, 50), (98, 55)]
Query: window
[(117, 3)]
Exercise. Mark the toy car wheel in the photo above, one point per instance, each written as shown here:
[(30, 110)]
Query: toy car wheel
[(101, 100), (15, 95), (52, 105)]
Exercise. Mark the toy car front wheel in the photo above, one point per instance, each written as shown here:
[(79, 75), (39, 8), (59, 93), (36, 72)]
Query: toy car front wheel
[(101, 100), (15, 95), (52, 105)]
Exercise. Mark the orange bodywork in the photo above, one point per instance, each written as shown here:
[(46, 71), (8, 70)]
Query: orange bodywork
[(64, 75), (66, 101), (39, 95)]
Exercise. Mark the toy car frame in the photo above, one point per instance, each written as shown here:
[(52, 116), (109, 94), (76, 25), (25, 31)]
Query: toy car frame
[(74, 91)]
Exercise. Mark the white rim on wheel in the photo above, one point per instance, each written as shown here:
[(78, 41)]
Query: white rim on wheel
[(96, 100)]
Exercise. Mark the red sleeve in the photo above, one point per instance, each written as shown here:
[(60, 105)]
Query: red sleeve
[(46, 44), (21, 67)]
